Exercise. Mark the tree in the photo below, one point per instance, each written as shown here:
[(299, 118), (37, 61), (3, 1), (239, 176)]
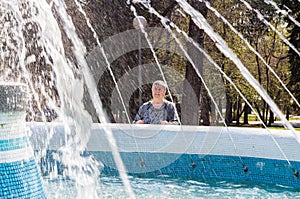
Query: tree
[(190, 115), (270, 48), (294, 82)]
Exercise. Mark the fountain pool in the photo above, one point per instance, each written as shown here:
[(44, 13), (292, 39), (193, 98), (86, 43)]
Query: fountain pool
[(172, 156)]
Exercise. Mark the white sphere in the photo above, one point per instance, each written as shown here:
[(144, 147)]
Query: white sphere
[(137, 20)]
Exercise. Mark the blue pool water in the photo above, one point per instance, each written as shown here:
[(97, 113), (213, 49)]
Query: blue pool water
[(167, 187)]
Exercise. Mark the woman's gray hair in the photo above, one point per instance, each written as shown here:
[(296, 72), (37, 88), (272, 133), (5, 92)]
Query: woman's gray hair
[(161, 83)]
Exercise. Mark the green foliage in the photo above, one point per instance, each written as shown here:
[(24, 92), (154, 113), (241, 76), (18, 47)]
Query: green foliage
[(263, 39), (294, 39)]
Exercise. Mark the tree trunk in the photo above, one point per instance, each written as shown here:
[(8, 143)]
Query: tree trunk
[(220, 109), (213, 115), (189, 114), (238, 109), (271, 120), (228, 114), (287, 113), (205, 108), (246, 113)]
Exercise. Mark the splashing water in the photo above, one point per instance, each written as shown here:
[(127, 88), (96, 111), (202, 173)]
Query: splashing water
[(65, 74), (96, 101), (69, 73)]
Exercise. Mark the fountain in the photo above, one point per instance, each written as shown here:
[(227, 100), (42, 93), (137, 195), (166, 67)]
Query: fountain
[(72, 145), (19, 174)]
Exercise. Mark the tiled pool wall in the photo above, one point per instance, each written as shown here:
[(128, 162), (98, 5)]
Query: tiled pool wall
[(242, 155), (195, 166), (19, 173)]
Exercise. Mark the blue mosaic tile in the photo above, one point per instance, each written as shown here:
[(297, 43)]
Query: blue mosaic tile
[(13, 144), (194, 166), (20, 180)]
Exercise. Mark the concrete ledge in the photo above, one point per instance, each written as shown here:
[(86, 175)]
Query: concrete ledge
[(233, 141)]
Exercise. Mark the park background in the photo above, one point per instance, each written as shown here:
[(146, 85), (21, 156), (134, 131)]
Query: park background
[(113, 17)]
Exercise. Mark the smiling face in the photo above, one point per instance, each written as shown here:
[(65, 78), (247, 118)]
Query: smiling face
[(158, 92)]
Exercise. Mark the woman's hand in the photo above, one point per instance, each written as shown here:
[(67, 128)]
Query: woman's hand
[(140, 122), (164, 122)]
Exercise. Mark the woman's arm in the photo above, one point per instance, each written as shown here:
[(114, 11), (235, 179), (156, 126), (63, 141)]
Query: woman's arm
[(139, 118), (172, 117)]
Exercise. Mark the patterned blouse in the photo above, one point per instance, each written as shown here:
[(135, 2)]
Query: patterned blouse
[(152, 115)]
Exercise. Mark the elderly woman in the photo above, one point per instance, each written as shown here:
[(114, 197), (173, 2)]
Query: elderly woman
[(158, 110)]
